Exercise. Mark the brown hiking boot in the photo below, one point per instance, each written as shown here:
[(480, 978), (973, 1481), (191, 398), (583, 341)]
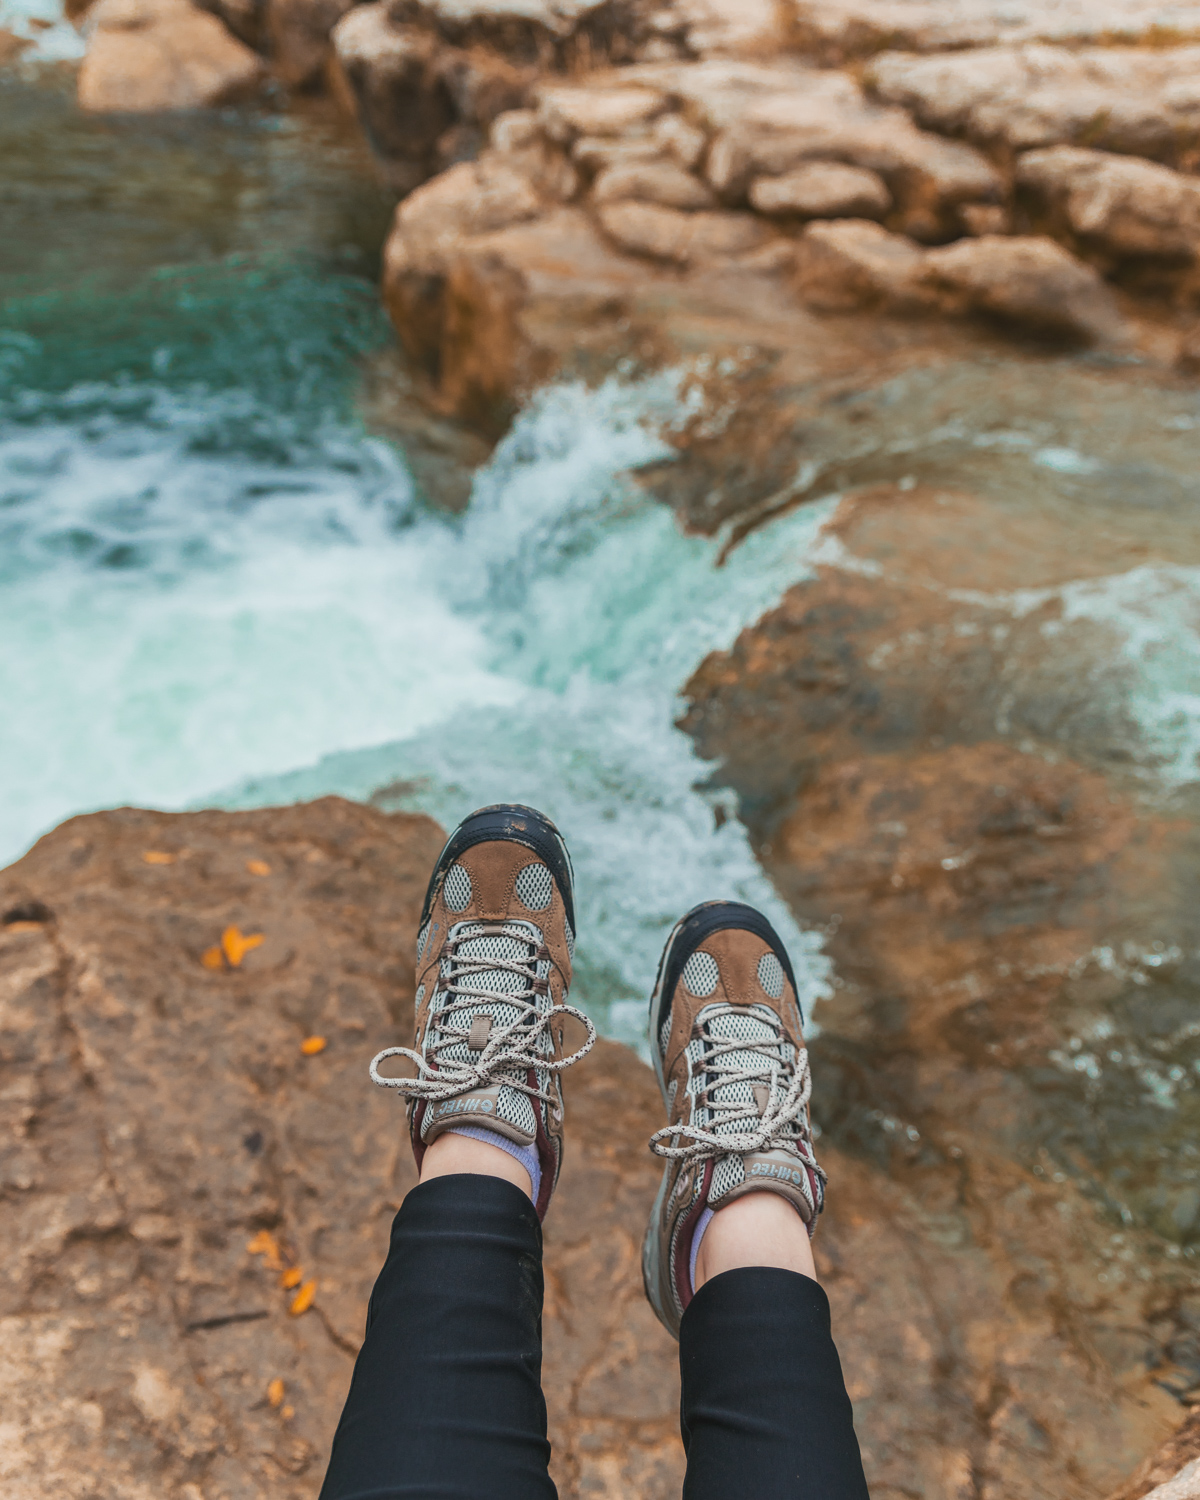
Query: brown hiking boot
[(494, 954), (731, 1062)]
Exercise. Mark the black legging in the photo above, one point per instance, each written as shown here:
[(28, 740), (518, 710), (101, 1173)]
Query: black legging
[(446, 1398)]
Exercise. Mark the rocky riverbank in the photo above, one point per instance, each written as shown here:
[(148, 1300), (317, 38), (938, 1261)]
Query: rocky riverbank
[(199, 1180)]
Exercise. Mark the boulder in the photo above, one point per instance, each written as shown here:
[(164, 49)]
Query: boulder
[(422, 103), (822, 190), (658, 182), (147, 55), (1188, 357), (837, 30), (247, 19), (1026, 280), (667, 234), (298, 37), (1142, 101), (566, 113), (852, 263), (1118, 205)]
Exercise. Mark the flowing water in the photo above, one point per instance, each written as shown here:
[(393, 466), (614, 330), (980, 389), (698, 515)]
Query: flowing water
[(218, 586)]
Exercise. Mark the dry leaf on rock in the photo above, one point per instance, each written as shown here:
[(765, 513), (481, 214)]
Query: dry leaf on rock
[(275, 1391), (258, 867), (311, 1045), (291, 1277), (159, 857), (265, 1244), (235, 945), (303, 1299)]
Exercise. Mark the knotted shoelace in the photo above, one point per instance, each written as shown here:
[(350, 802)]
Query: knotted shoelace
[(781, 1125), (511, 1050)]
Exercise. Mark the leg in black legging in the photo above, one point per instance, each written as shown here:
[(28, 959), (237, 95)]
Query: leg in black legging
[(446, 1398), (764, 1409)]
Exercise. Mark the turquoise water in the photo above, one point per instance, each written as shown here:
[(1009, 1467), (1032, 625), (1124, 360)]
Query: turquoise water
[(217, 586)]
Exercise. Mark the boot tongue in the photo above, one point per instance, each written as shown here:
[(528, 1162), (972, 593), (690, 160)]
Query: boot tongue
[(740, 1026)]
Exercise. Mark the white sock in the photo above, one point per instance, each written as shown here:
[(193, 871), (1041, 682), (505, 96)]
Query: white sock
[(526, 1155), (705, 1221)]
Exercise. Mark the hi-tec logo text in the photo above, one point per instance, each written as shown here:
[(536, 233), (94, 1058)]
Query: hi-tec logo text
[(464, 1107), (769, 1169)]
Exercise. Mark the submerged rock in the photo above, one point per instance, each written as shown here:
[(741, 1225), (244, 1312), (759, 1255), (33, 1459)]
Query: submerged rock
[(146, 55)]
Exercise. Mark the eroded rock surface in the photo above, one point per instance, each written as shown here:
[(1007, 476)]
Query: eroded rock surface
[(1143, 101), (171, 1148)]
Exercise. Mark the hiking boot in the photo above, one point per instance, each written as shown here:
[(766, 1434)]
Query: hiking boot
[(731, 1062), (494, 953)]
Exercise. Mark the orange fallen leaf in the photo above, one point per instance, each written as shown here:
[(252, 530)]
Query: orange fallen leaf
[(212, 958), (235, 945), (265, 1244), (288, 1413), (303, 1299), (292, 1277), (311, 1045), (275, 1392), (159, 857), (258, 867)]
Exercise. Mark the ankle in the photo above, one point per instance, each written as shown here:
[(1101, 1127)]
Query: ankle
[(451, 1154), (759, 1229)]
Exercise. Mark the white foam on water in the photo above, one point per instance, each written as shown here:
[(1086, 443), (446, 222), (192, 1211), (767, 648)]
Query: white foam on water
[(184, 615), (43, 24)]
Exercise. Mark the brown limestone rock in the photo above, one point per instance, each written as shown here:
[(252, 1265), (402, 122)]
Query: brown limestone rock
[(838, 30), (1116, 205), (851, 263), (1025, 280), (147, 55), (1142, 101), (297, 37), (825, 117), (160, 1114), (1181, 1450), (659, 182), (422, 102), (667, 234), (909, 759), (822, 190)]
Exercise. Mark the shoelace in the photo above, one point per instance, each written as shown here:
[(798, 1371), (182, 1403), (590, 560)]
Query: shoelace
[(784, 1108), (511, 1049)]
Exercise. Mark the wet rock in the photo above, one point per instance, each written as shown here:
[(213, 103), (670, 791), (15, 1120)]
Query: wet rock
[(853, 263), (1026, 280), (822, 190), (661, 183), (1142, 101), (146, 55), (683, 238), (421, 102), (1175, 1468), (1117, 205)]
